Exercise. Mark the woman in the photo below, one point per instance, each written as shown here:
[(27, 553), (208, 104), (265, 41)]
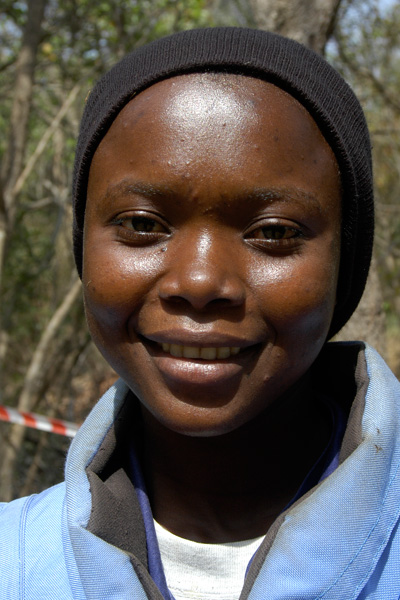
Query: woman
[(223, 232)]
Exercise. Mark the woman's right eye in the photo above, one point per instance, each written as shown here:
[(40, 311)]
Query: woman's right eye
[(140, 228), (142, 225)]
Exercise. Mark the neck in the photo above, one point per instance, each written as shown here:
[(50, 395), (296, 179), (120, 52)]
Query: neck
[(232, 487)]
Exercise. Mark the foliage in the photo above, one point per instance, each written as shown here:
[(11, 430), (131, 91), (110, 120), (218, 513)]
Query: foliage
[(366, 49), (80, 39)]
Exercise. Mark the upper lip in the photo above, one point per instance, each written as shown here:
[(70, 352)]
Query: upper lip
[(199, 339)]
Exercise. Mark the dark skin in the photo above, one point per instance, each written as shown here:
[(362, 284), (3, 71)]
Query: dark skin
[(211, 256)]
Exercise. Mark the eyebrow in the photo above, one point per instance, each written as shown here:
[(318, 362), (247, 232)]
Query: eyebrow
[(257, 195), (128, 187), (284, 194)]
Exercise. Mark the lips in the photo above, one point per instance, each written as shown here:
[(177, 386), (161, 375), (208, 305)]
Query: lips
[(200, 362), (197, 345)]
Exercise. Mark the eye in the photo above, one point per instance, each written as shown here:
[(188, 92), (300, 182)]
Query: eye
[(139, 229), (275, 236), (142, 225), (275, 233)]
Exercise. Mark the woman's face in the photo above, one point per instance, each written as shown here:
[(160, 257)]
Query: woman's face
[(211, 248)]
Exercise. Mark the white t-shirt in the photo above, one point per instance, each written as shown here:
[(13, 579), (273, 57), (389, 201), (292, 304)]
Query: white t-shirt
[(197, 571)]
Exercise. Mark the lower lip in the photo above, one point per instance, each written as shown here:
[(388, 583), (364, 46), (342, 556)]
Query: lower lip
[(186, 371)]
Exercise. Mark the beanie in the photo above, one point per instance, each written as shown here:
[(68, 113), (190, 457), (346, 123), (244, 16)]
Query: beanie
[(281, 61)]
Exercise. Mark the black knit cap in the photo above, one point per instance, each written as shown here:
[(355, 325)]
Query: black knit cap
[(289, 65)]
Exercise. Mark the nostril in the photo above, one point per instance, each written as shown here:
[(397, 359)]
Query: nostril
[(174, 299), (201, 302), (202, 284), (220, 301)]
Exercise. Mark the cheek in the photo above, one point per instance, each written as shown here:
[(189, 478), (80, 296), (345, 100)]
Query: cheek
[(117, 280), (298, 296)]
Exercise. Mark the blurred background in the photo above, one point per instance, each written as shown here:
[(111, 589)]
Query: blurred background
[(51, 53)]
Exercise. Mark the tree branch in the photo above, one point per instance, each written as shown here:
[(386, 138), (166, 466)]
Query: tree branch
[(45, 140), (31, 386)]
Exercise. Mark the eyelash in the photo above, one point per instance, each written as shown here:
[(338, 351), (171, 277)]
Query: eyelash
[(284, 230), (139, 234), (294, 235)]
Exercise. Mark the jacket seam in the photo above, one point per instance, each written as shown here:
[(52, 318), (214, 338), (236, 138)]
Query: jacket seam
[(22, 538)]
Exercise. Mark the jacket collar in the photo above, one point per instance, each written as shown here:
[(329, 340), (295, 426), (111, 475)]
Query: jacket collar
[(323, 546)]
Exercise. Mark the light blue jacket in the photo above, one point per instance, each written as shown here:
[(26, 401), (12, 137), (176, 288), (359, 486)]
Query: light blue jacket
[(340, 542)]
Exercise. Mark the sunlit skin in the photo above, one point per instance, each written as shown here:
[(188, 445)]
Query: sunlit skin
[(212, 227)]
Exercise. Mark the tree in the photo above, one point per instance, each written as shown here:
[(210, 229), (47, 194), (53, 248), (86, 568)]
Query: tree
[(365, 49), (13, 155), (309, 22)]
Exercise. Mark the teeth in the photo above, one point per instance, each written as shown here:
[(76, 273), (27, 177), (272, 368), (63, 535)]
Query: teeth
[(223, 352), (176, 350), (190, 352), (208, 353), (195, 352)]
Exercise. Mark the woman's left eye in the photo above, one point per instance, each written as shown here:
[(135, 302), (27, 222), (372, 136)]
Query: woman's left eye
[(274, 233)]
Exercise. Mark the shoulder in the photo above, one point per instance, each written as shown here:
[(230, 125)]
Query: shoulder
[(31, 545), (31, 508)]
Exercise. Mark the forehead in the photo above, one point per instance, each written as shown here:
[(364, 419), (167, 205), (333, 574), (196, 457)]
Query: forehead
[(217, 130), (218, 99), (201, 98)]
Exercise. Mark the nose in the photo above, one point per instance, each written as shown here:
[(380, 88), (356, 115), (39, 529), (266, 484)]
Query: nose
[(203, 272)]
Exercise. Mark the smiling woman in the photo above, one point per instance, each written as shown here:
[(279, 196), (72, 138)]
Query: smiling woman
[(223, 231), (240, 189)]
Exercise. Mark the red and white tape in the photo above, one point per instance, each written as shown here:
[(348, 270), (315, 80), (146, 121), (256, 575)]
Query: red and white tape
[(38, 421)]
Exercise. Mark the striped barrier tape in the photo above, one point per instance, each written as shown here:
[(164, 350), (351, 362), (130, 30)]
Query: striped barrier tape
[(35, 421)]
